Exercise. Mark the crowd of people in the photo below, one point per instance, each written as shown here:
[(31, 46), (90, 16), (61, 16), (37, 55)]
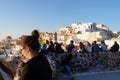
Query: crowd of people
[(84, 47)]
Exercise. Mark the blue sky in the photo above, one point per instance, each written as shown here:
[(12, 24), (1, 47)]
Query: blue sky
[(19, 17)]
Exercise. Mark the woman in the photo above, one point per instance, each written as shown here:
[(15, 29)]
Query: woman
[(37, 66)]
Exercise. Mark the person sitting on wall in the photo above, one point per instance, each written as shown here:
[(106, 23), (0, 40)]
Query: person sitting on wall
[(115, 47), (71, 46)]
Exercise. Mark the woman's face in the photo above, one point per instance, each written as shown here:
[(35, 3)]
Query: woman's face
[(24, 52)]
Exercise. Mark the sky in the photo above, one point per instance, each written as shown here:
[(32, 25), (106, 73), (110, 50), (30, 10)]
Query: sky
[(20, 17)]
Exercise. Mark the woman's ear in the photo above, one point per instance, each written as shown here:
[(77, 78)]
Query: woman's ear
[(27, 49)]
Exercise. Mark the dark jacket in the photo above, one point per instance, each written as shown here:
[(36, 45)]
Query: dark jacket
[(115, 48), (37, 69)]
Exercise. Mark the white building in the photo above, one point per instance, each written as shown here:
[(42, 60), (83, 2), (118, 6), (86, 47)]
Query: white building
[(86, 32), (84, 27)]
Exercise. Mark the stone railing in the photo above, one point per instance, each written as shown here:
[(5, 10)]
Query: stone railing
[(86, 62)]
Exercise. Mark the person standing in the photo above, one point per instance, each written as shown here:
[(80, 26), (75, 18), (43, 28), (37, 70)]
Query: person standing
[(66, 65), (37, 66)]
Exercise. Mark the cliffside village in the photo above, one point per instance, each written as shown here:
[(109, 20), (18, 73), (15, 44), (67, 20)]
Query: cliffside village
[(78, 32)]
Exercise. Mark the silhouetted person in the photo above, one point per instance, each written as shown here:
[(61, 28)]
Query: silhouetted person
[(115, 47), (71, 46), (58, 48), (51, 47), (95, 47)]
